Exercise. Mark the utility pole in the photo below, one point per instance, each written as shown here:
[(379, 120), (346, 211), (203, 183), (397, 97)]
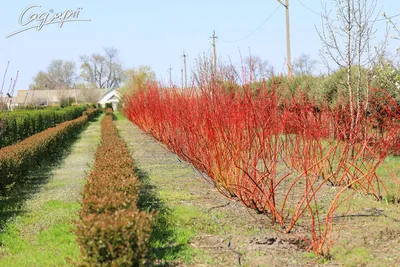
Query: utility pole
[(215, 53), (184, 64), (182, 78), (170, 75), (288, 55)]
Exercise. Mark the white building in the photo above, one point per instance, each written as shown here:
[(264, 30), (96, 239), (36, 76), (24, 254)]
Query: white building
[(53, 97), (113, 96)]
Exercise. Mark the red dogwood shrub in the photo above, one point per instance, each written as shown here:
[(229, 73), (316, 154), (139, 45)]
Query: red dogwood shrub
[(276, 154)]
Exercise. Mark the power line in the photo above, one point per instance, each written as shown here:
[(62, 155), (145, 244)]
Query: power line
[(319, 14), (254, 31), (301, 3)]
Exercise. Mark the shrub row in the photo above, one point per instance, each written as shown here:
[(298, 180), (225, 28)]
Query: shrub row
[(21, 124), (111, 230), (16, 160), (109, 111), (277, 154), (92, 113)]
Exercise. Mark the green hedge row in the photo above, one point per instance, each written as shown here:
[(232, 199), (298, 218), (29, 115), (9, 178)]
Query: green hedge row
[(92, 113), (20, 124), (16, 160), (111, 230)]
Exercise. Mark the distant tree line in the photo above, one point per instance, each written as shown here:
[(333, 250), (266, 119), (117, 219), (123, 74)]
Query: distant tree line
[(97, 71)]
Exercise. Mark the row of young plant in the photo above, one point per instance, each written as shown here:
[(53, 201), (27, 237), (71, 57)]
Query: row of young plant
[(111, 230), (20, 124), (278, 155), (18, 159)]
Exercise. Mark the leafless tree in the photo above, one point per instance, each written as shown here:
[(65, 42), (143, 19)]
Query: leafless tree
[(228, 72), (60, 75), (203, 72), (303, 65), (346, 42), (102, 71), (258, 68), (6, 97), (3, 103)]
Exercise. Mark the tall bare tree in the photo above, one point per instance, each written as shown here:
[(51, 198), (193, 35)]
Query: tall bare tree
[(102, 71), (258, 68), (346, 42), (60, 75), (6, 97), (3, 99), (203, 72), (303, 65)]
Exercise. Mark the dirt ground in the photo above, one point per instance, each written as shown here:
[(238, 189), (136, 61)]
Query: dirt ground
[(225, 233)]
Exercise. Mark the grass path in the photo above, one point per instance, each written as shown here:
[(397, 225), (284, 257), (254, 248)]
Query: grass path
[(41, 213), (196, 225)]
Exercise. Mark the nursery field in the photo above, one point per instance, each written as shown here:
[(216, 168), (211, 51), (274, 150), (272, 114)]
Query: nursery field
[(197, 226), (320, 176), (38, 217), (20, 124), (212, 178)]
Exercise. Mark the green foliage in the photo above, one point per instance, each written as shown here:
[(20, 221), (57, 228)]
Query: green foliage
[(138, 78), (66, 102), (18, 159), (308, 84), (387, 76), (92, 113), (30, 107), (112, 231), (21, 124), (108, 105), (38, 215), (330, 89)]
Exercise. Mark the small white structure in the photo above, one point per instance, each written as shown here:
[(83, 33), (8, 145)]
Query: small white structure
[(113, 96), (53, 97)]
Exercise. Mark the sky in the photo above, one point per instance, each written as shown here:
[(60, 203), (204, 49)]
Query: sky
[(155, 33)]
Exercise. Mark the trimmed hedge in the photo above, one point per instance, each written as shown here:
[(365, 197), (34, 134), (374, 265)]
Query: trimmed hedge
[(109, 111), (20, 124), (111, 230), (16, 160), (92, 113)]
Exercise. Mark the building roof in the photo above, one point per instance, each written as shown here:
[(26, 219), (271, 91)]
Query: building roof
[(109, 96), (48, 97)]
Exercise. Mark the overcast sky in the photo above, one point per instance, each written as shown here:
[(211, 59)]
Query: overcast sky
[(155, 33)]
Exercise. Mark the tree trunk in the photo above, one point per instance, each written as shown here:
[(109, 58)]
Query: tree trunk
[(349, 65), (359, 45)]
